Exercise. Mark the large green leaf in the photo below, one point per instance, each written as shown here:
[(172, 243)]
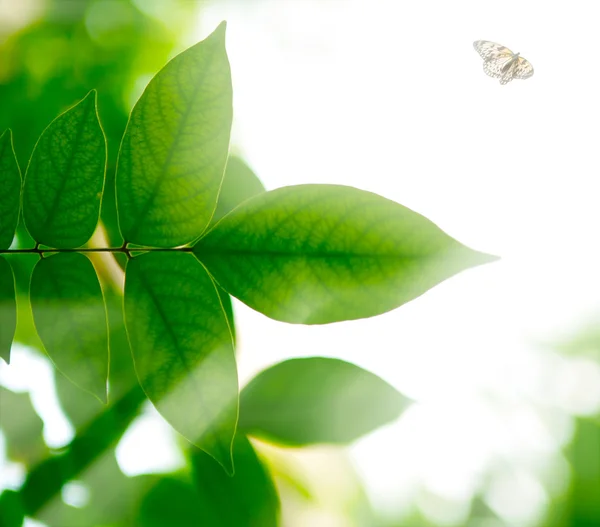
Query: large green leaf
[(239, 184), (317, 400), (175, 148), (65, 178), (248, 499), (183, 348), (8, 309), (10, 196), (70, 317), (315, 254)]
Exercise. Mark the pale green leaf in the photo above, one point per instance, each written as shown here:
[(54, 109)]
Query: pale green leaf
[(175, 147), (10, 193), (315, 254), (183, 348), (8, 309), (70, 318), (65, 178), (317, 400)]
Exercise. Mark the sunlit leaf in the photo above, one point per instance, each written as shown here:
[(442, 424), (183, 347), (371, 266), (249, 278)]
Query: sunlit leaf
[(175, 148), (65, 178), (248, 499), (183, 348), (8, 309), (22, 428), (239, 184), (317, 400), (10, 195), (315, 254), (70, 317)]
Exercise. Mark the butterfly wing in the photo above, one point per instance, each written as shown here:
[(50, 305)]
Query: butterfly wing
[(490, 50), (523, 69), (497, 66)]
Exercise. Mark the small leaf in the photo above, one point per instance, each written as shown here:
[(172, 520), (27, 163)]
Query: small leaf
[(8, 309), (10, 196), (239, 184), (22, 428), (70, 318), (183, 349), (248, 499), (175, 148), (317, 400), (65, 178), (314, 254)]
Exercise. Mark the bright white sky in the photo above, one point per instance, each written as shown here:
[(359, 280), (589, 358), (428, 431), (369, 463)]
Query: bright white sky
[(389, 96)]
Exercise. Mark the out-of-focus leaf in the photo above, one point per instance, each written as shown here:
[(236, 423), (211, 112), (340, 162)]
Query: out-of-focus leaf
[(8, 309), (584, 456), (10, 196), (239, 184), (12, 513), (70, 317), (317, 400), (113, 498), (65, 178), (22, 428), (314, 254), (183, 348), (247, 499), (175, 147)]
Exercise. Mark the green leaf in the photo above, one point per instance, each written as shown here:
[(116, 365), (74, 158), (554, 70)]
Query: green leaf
[(22, 428), (8, 309), (10, 196), (314, 254), (183, 348), (70, 318), (248, 499), (65, 178), (317, 400), (175, 148), (239, 184)]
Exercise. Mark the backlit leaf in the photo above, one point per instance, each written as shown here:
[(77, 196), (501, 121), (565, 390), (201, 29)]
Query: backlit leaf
[(10, 195), (315, 254), (8, 309), (65, 178), (183, 348), (317, 400), (70, 318), (175, 148)]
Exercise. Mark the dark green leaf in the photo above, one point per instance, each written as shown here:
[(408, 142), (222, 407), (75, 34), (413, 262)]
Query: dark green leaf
[(175, 148), (22, 428), (315, 254), (10, 195), (65, 178), (12, 513), (248, 499), (239, 184), (70, 317), (317, 400), (183, 348), (8, 309)]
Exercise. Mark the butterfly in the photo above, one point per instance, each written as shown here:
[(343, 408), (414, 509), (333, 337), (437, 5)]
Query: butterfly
[(500, 62)]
